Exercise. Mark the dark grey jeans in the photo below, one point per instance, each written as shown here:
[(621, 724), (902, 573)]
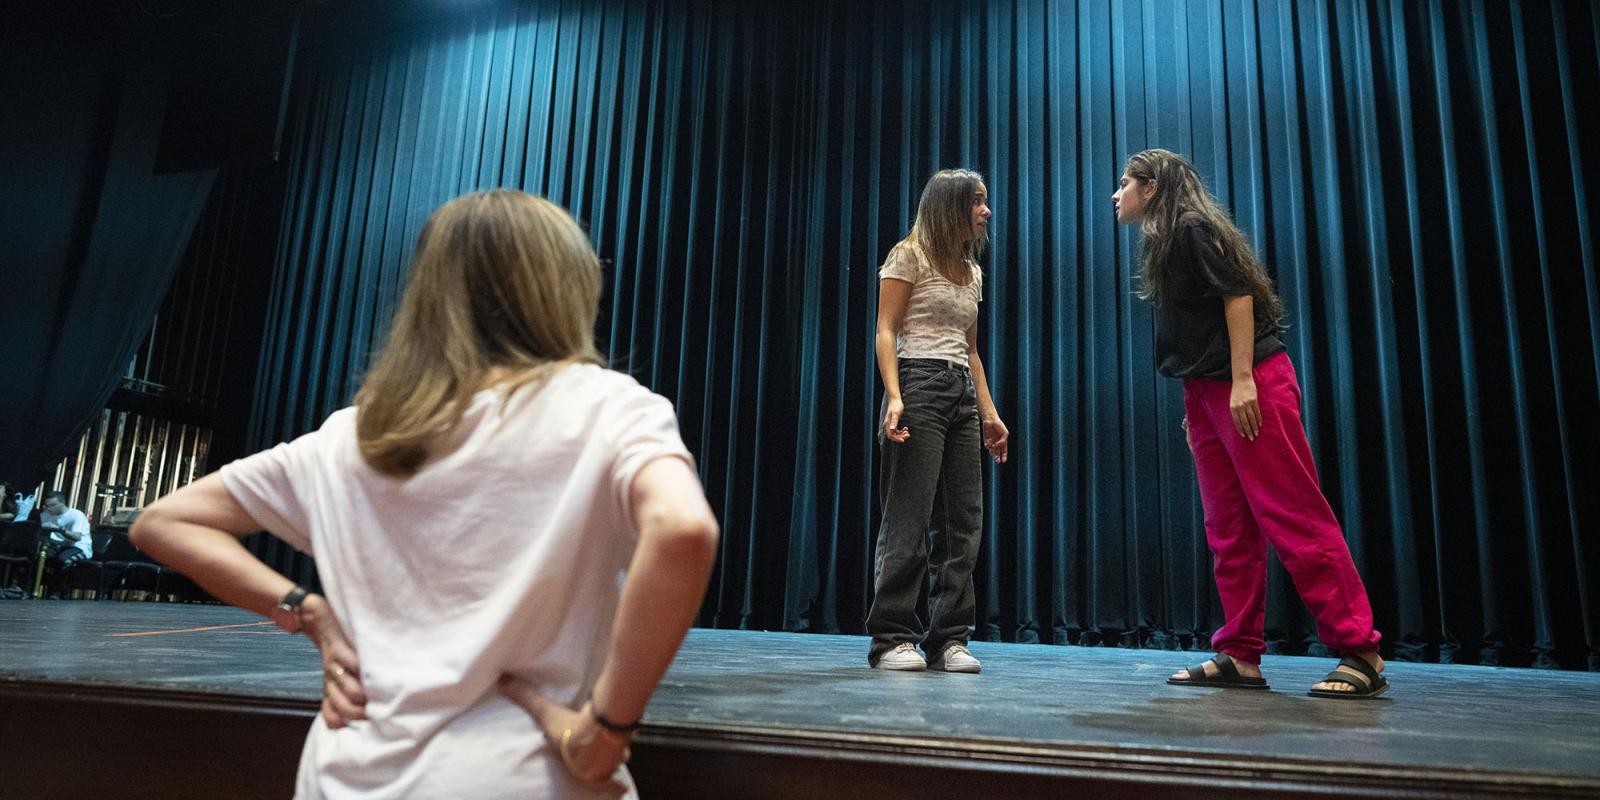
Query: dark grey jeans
[(931, 489)]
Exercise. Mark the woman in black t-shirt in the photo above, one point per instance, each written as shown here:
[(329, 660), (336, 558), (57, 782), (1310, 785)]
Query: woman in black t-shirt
[(1218, 328)]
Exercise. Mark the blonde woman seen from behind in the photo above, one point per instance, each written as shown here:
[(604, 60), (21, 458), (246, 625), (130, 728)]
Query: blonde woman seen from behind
[(502, 527)]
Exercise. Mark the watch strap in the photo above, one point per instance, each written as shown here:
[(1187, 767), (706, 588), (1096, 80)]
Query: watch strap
[(292, 600)]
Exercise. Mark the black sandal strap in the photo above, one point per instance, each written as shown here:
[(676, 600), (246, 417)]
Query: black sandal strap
[(1225, 667), (1349, 679), (1196, 674), (1357, 673), (1360, 665)]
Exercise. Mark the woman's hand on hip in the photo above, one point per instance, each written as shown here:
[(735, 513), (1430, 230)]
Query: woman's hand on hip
[(343, 700), (589, 752)]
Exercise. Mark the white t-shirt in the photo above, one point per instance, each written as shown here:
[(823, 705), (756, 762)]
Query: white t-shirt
[(505, 553), (939, 312), (72, 520)]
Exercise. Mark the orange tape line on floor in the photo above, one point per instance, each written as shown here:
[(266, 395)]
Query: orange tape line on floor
[(195, 630)]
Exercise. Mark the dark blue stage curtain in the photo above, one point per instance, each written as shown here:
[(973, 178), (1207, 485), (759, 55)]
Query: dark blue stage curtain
[(1415, 174), (89, 235)]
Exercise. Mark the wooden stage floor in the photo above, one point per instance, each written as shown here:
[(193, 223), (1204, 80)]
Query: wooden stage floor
[(806, 713)]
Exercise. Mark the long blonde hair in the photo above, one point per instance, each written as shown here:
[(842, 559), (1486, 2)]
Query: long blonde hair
[(500, 280), (943, 228), (1180, 196)]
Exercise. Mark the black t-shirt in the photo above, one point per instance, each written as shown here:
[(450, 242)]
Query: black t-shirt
[(1191, 326)]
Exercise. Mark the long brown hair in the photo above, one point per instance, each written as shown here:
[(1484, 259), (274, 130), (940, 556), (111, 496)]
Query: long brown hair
[(1181, 197), (500, 280), (944, 223)]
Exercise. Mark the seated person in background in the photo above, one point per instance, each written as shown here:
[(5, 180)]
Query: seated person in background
[(68, 529), (8, 506)]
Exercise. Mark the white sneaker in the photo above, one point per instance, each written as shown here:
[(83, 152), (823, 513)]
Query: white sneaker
[(904, 658), (956, 658)]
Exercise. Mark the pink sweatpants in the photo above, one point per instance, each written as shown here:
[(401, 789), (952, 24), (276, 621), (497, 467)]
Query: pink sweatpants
[(1266, 492)]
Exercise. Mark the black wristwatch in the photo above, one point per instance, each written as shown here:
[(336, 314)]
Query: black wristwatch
[(286, 615)]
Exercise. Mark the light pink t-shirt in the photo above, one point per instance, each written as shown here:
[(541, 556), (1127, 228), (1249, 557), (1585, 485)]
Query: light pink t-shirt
[(939, 312), (505, 553)]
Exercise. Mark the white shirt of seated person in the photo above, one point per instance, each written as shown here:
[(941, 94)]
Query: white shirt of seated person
[(57, 515)]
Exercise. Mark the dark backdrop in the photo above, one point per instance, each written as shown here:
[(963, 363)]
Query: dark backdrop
[(1413, 173), (90, 232)]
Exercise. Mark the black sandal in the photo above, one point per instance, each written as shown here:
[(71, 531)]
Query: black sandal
[(1367, 682), (1227, 676)]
